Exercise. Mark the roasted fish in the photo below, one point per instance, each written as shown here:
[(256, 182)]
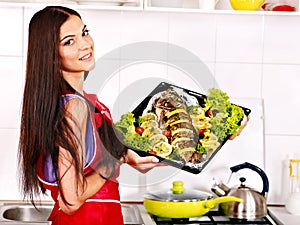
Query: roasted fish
[(172, 114)]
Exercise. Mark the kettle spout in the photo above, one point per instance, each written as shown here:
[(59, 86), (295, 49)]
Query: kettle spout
[(220, 189)]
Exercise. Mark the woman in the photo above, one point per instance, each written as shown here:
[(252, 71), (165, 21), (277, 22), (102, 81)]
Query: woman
[(67, 142)]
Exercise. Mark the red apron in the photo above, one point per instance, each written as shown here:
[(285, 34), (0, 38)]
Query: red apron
[(99, 210), (104, 207)]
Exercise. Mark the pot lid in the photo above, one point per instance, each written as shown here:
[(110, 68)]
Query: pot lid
[(178, 194)]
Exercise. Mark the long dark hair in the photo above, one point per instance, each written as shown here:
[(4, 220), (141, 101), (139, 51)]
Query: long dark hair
[(44, 125)]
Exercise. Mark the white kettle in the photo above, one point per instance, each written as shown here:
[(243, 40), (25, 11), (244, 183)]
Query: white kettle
[(292, 203)]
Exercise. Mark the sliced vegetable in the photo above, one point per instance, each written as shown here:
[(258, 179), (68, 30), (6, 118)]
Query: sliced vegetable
[(150, 131), (157, 138), (163, 149), (149, 123), (150, 116)]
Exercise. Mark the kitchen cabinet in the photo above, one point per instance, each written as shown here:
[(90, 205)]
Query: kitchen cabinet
[(81, 4), (192, 6), (222, 6)]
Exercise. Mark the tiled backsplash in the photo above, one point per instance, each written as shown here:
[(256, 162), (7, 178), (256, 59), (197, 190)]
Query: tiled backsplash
[(254, 58)]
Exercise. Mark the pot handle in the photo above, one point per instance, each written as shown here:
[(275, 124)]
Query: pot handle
[(256, 169), (210, 203)]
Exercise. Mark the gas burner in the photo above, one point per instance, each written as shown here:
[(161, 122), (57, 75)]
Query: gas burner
[(211, 218), (182, 220)]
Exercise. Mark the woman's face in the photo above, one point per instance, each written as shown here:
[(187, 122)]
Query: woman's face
[(76, 47)]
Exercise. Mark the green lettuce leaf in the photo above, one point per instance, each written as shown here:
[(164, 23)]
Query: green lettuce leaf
[(227, 116)]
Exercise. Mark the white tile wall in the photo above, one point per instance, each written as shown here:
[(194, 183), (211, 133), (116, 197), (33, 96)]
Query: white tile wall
[(11, 80), (194, 32), (281, 89), (254, 58), (143, 26), (8, 165), (239, 41), (240, 79), (12, 31), (281, 35)]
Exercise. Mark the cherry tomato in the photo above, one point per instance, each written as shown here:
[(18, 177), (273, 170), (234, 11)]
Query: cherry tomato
[(167, 133), (139, 130), (201, 131), (152, 152), (210, 113)]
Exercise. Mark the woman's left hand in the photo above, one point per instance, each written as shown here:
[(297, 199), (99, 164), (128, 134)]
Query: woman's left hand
[(142, 164), (243, 124)]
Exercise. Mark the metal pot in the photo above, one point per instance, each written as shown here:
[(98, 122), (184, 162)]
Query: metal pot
[(180, 203), (254, 202)]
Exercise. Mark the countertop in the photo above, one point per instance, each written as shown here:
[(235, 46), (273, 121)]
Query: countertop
[(282, 217)]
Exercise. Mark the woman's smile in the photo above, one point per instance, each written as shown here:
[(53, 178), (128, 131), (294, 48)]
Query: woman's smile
[(87, 57)]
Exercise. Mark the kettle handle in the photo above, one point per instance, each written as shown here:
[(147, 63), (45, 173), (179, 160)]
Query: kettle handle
[(256, 169)]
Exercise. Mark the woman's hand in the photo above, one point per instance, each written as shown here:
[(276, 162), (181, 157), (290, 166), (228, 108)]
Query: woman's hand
[(243, 124), (142, 164)]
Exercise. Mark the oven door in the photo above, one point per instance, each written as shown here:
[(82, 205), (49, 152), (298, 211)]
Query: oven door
[(132, 214)]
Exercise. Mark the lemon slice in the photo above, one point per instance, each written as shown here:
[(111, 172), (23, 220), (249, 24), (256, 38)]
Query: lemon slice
[(149, 123), (197, 116), (150, 116), (199, 119), (197, 111), (180, 139), (162, 149), (158, 138), (185, 131), (150, 131), (179, 121), (199, 126), (210, 145), (211, 142), (169, 114), (213, 137)]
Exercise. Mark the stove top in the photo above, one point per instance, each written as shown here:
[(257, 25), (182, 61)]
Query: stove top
[(211, 218)]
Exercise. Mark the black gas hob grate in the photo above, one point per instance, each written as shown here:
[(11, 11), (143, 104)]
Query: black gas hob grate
[(211, 218)]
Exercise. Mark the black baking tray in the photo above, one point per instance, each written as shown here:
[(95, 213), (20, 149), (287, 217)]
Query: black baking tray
[(189, 167)]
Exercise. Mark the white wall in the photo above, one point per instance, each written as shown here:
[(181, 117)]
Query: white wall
[(254, 58)]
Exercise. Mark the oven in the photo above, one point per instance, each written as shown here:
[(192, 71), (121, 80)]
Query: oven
[(211, 218)]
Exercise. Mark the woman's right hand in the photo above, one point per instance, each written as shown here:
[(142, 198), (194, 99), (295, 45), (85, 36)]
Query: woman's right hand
[(142, 164)]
